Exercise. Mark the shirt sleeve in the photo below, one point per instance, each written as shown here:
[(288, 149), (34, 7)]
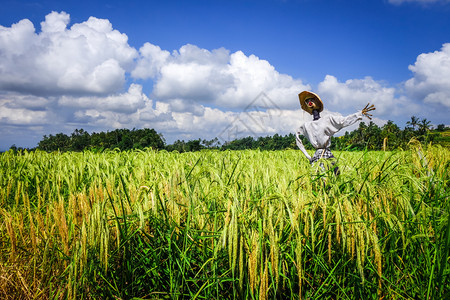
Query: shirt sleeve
[(340, 122), (300, 144)]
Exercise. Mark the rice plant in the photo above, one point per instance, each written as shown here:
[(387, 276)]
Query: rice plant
[(224, 224)]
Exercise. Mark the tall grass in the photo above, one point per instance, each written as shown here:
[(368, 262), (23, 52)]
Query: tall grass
[(233, 224)]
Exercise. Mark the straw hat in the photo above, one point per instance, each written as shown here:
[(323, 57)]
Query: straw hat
[(303, 96)]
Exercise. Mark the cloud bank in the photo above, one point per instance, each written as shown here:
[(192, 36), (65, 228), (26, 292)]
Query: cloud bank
[(88, 58), (431, 81), (88, 76), (424, 2), (213, 77)]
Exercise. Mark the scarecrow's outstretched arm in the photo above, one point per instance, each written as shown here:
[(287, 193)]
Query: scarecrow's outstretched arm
[(367, 109), (301, 147)]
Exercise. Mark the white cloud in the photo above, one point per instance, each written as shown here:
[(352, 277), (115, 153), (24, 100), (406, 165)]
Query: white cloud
[(55, 22), (22, 116), (128, 102), (214, 77), (353, 95), (431, 81), (151, 60), (228, 125), (90, 57), (397, 2), (16, 109), (125, 110)]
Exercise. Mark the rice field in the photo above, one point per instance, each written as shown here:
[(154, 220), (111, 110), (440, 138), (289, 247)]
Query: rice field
[(224, 225)]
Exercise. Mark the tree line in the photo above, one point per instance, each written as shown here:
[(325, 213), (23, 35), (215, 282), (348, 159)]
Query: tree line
[(122, 139), (367, 136)]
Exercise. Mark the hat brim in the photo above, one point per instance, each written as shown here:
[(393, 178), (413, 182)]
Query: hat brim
[(303, 96)]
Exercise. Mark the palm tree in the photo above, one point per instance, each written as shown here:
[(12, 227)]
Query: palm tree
[(414, 122), (390, 133), (424, 126)]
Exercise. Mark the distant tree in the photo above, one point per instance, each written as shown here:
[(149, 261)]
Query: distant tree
[(413, 122), (194, 145), (44, 144), (390, 134), (79, 140), (358, 136), (214, 143), (126, 140), (424, 126), (123, 139), (440, 127), (373, 137), (150, 138), (240, 144), (61, 142), (178, 145), (98, 140)]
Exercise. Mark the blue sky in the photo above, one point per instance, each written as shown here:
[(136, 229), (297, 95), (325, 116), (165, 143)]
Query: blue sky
[(190, 69)]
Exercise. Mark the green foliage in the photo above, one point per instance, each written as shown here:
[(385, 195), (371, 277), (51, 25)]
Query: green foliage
[(182, 146), (389, 136), (275, 142), (123, 139)]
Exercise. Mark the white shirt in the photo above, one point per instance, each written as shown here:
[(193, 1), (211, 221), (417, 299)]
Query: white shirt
[(319, 132)]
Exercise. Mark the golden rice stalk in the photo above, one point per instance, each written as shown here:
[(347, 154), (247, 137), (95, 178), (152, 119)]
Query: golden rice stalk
[(298, 256), (18, 192), (83, 244), (59, 216), (253, 261), (359, 265), (264, 282), (313, 236), (32, 233), (19, 225), (307, 224), (140, 213), (99, 194), (226, 224), (72, 274), (350, 230), (329, 244), (25, 288), (92, 195), (352, 240), (73, 207), (274, 249), (276, 260), (104, 248), (40, 226), (233, 238), (12, 235), (337, 218), (361, 238), (241, 262), (294, 224), (8, 188), (378, 260)]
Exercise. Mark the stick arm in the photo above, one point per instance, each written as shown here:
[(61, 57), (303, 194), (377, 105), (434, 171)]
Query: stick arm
[(365, 110), (301, 146)]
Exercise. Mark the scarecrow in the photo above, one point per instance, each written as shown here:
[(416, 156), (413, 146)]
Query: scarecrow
[(320, 130)]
